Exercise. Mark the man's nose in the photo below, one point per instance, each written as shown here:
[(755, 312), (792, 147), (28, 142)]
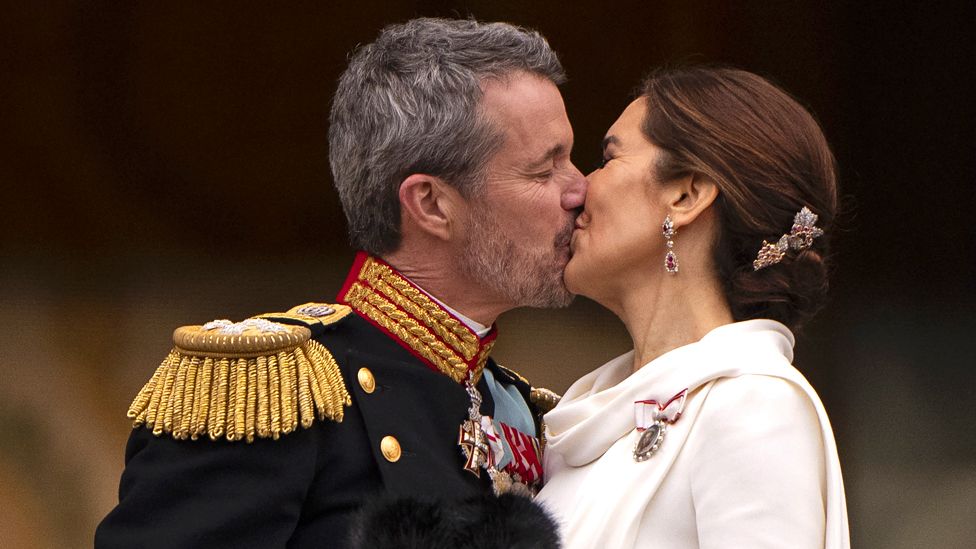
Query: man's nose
[(575, 193)]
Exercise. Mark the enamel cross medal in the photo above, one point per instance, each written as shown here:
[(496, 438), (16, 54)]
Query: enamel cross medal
[(473, 437), (652, 420)]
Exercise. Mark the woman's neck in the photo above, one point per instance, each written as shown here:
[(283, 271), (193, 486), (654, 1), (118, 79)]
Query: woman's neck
[(664, 314)]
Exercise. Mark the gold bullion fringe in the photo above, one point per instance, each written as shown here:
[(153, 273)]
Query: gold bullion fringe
[(241, 398)]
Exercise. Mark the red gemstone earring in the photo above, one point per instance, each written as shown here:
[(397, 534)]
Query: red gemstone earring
[(670, 260)]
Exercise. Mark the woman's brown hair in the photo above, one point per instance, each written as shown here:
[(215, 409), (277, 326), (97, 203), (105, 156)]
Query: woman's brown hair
[(769, 158)]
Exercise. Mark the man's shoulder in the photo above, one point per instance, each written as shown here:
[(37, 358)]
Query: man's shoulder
[(263, 377), (541, 399)]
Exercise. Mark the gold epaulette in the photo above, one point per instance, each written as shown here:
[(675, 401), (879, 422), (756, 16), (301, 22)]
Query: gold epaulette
[(245, 380), (544, 399), (311, 315)]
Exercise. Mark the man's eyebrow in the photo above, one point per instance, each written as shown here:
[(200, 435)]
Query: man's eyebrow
[(610, 140), (553, 152)]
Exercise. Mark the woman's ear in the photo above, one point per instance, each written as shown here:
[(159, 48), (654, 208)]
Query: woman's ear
[(430, 205), (690, 197)]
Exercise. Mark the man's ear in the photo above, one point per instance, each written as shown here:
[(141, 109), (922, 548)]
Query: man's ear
[(430, 204), (689, 197)]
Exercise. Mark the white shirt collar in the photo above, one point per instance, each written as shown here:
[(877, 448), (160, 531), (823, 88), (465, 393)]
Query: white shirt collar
[(478, 328)]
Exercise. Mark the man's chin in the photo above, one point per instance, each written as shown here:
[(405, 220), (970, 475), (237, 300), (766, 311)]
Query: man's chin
[(555, 301), (550, 291), (540, 288), (561, 296), (566, 301)]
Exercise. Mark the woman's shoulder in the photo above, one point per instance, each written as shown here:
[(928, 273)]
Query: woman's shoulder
[(756, 419), (751, 401)]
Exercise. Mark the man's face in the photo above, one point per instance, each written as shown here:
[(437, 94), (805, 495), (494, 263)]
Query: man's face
[(520, 226)]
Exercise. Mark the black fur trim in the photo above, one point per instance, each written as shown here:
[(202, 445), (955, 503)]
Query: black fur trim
[(482, 522)]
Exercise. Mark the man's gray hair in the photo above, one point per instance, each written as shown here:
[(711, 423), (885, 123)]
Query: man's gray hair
[(409, 103)]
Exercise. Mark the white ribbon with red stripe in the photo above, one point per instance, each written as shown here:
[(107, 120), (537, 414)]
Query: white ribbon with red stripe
[(649, 412)]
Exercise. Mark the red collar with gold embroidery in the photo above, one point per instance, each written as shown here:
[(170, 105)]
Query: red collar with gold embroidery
[(385, 298)]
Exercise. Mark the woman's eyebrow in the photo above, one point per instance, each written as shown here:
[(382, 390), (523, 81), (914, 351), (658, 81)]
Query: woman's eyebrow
[(610, 140)]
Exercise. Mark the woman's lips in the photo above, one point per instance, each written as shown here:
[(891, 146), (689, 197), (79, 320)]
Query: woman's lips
[(582, 220)]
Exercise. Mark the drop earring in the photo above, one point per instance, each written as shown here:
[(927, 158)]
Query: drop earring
[(670, 260)]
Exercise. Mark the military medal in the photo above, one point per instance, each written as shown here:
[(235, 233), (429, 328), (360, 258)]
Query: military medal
[(473, 437), (379, 294), (652, 420), (484, 449)]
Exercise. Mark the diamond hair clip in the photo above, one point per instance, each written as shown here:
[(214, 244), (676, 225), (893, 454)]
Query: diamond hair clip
[(800, 237)]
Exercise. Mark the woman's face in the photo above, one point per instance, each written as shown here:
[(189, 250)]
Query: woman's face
[(619, 231)]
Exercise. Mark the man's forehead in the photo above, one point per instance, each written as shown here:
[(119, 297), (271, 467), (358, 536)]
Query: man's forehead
[(518, 94), (530, 111)]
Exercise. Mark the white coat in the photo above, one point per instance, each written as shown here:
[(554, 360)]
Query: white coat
[(751, 461)]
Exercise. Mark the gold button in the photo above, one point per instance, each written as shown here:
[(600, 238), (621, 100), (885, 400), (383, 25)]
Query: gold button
[(390, 448), (366, 380)]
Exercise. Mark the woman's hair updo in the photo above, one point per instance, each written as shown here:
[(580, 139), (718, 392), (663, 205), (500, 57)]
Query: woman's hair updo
[(769, 159)]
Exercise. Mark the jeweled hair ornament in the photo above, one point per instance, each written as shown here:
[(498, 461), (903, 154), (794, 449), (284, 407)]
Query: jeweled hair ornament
[(800, 237)]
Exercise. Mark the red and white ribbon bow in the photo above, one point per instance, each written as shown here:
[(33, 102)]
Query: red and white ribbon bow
[(648, 412)]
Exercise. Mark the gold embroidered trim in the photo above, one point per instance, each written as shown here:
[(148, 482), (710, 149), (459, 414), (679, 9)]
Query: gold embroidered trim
[(385, 297), (387, 315), (418, 304), (483, 355), (199, 391)]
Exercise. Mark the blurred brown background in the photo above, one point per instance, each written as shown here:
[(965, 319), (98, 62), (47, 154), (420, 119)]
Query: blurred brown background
[(166, 163)]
